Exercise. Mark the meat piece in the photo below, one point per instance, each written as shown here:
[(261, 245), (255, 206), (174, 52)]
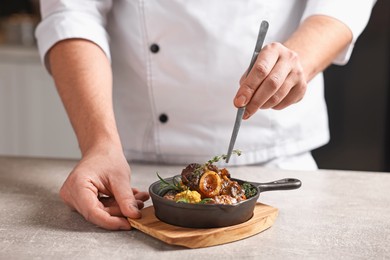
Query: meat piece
[(170, 195), (233, 189), (212, 167), (224, 199), (190, 176), (224, 173)]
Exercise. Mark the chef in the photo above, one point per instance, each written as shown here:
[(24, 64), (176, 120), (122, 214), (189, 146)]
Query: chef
[(160, 81)]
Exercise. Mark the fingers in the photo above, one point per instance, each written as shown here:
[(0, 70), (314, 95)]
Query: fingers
[(275, 81), (113, 211), (269, 87), (125, 198), (141, 196), (101, 192), (265, 62), (294, 96), (112, 207), (81, 194), (86, 202), (289, 93), (107, 219)]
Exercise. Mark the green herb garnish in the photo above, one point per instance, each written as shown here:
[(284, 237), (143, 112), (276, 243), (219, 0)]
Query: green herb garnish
[(199, 171), (223, 157), (183, 200), (249, 189), (205, 200), (167, 186)]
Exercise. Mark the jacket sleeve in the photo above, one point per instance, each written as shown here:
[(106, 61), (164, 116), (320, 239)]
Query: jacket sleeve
[(65, 19), (353, 13)]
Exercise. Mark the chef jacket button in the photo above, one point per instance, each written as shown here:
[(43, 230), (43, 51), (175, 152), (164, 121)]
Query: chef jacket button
[(163, 118), (154, 48)]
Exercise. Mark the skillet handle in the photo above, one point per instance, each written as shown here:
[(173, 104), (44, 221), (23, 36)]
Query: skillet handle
[(283, 184)]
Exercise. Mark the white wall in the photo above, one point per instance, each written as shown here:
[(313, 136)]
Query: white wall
[(33, 121)]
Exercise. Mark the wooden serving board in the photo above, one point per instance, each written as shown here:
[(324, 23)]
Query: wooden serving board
[(264, 216)]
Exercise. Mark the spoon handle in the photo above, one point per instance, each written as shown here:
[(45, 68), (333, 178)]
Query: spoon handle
[(240, 111)]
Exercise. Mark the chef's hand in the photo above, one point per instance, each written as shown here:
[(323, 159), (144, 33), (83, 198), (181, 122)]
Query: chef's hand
[(103, 172), (275, 81)]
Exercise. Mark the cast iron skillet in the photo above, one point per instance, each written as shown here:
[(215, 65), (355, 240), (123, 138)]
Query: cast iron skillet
[(212, 215)]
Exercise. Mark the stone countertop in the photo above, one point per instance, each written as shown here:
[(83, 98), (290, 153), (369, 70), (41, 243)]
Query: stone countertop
[(334, 215)]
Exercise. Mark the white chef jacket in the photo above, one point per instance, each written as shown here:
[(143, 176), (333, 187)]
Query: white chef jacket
[(176, 67)]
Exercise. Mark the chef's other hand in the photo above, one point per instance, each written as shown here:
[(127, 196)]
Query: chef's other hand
[(99, 189), (275, 81)]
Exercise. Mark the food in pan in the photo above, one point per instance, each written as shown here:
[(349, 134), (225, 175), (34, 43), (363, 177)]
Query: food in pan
[(206, 184)]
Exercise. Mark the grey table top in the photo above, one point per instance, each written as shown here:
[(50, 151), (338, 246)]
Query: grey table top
[(334, 215)]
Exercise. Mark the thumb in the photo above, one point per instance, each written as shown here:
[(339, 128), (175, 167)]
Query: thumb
[(124, 196)]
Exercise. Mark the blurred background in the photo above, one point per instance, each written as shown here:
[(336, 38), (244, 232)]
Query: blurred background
[(33, 121), (358, 101)]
